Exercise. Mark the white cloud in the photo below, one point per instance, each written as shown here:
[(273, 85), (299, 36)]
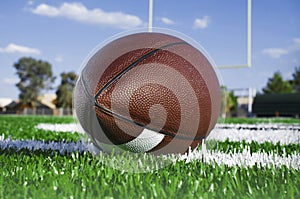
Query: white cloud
[(296, 41), (295, 46), (78, 12), (275, 52), (46, 10), (278, 52), (14, 48), (201, 23), (58, 58), (167, 21), (10, 81)]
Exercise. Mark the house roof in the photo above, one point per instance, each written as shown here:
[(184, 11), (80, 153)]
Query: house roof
[(45, 100), (4, 102)]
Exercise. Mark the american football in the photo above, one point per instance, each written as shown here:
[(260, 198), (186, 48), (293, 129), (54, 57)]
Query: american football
[(152, 92)]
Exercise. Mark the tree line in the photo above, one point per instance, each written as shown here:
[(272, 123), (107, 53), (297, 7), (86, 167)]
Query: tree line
[(276, 84), (36, 76)]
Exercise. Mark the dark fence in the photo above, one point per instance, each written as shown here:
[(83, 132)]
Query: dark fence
[(283, 105)]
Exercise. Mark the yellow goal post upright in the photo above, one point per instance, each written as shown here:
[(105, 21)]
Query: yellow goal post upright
[(249, 40)]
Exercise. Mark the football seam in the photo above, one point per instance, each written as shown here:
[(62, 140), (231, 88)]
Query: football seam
[(132, 66), (135, 63)]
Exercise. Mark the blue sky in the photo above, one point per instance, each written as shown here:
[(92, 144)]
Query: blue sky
[(65, 32)]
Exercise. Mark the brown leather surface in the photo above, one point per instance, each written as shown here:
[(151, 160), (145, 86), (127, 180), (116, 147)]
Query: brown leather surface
[(149, 95), (185, 59)]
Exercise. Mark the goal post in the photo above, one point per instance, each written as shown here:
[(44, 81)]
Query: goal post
[(150, 22), (249, 40)]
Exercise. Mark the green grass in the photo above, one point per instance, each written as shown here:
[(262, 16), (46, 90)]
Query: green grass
[(261, 120), (267, 147), (23, 127), (47, 174), (41, 175)]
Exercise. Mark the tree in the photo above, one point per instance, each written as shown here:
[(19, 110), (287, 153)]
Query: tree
[(229, 102), (35, 76), (65, 90), (277, 85), (296, 79)]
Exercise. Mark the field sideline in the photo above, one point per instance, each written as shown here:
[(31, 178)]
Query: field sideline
[(245, 158)]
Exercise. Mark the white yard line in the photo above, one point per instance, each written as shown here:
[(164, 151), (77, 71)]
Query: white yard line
[(60, 127), (284, 134), (240, 159), (245, 158), (263, 126)]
